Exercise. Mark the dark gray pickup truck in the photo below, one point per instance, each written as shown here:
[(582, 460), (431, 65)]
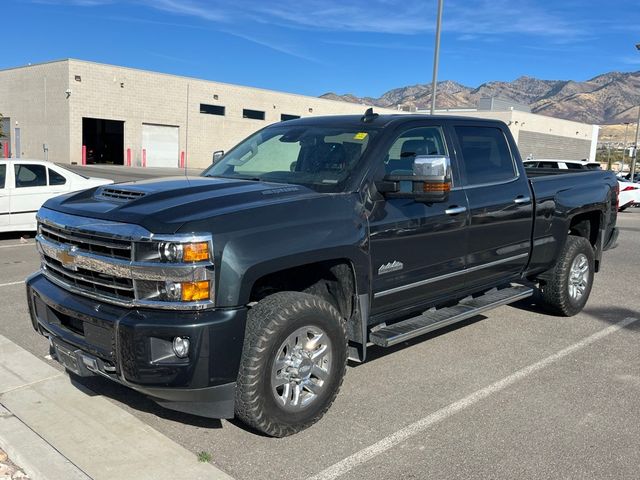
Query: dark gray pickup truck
[(245, 291)]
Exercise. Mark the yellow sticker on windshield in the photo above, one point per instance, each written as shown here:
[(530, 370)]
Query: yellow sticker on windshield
[(360, 136)]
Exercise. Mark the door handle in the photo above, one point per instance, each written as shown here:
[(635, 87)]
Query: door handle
[(522, 200), (455, 210)]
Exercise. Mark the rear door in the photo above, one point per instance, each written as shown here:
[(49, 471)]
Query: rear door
[(4, 195), (417, 249), (500, 203)]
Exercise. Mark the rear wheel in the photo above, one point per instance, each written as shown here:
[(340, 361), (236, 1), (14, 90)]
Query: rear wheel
[(293, 362), (567, 286)]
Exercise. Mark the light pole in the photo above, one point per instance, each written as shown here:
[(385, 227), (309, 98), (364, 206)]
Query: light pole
[(624, 146), (635, 148), (436, 55), (635, 145)]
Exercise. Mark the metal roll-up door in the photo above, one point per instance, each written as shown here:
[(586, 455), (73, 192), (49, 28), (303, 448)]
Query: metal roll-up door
[(161, 144)]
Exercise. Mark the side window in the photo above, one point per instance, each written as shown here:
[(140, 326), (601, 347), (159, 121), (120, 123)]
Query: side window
[(55, 178), (30, 175), (486, 155), (574, 166), (3, 174), (414, 142), (549, 165)]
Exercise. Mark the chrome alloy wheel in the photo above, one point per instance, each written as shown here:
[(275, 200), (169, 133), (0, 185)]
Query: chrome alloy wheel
[(301, 368), (579, 277)]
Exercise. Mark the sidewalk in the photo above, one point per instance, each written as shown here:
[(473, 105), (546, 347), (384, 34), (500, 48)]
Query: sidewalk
[(54, 430)]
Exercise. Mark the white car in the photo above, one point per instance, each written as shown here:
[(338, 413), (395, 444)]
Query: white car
[(26, 184), (629, 194)]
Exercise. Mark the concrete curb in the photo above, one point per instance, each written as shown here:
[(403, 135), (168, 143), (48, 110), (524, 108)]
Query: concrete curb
[(55, 431), (35, 457)]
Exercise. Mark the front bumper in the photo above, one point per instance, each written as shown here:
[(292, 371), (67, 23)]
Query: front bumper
[(132, 347)]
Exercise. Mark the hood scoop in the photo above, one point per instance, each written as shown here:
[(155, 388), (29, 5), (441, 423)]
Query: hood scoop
[(119, 194)]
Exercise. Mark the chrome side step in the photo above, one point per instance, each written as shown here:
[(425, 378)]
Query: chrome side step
[(434, 319)]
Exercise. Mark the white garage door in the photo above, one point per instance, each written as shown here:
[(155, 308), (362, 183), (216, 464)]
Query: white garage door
[(161, 143)]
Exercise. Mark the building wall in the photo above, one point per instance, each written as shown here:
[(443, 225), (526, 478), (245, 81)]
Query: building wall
[(138, 97), (33, 99), (34, 96)]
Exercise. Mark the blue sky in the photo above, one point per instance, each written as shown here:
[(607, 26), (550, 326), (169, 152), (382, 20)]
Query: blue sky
[(365, 47)]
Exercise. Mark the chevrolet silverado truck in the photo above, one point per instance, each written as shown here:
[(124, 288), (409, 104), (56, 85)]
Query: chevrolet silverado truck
[(244, 291)]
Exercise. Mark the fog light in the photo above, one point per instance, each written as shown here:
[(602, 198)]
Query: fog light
[(181, 347)]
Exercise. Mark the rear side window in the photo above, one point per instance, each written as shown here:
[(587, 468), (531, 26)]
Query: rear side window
[(3, 174), (574, 166), (30, 175), (485, 154), (55, 178), (549, 165)]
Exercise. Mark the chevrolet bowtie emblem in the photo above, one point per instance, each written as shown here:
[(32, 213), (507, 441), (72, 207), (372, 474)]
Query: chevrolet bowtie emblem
[(67, 258)]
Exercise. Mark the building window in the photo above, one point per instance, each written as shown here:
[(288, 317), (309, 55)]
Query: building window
[(285, 116), (212, 109), (253, 114)]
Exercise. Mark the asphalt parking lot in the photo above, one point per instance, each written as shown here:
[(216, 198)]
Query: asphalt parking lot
[(512, 394)]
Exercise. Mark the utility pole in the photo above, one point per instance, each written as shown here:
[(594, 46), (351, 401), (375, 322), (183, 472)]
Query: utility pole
[(436, 55), (624, 146)]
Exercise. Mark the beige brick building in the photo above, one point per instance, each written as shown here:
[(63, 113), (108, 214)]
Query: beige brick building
[(58, 109), (53, 109)]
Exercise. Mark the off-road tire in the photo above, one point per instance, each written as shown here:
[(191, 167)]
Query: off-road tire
[(555, 287), (269, 323)]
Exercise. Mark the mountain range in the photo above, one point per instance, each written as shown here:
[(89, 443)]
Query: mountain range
[(609, 98)]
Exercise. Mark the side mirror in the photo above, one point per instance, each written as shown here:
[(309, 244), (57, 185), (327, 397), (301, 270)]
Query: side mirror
[(428, 181), (217, 155)]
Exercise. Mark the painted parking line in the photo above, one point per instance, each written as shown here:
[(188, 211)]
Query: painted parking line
[(409, 431), (13, 245), (11, 283)]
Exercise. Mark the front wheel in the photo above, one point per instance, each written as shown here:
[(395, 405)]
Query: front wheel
[(567, 286), (293, 362)]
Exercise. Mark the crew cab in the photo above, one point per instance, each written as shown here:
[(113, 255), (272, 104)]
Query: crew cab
[(245, 291), (26, 184)]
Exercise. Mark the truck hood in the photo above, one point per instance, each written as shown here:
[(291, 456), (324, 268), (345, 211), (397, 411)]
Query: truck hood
[(164, 205)]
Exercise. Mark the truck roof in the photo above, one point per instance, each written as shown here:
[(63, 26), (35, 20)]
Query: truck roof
[(383, 120)]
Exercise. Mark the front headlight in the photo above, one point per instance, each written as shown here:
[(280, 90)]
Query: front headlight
[(183, 252), (168, 250)]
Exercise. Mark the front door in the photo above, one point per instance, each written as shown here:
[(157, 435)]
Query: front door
[(417, 249), (500, 204)]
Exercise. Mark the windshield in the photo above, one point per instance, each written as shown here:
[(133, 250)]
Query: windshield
[(322, 158)]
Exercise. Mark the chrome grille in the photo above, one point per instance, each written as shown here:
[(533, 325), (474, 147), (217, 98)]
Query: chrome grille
[(87, 280), (87, 242), (106, 261)]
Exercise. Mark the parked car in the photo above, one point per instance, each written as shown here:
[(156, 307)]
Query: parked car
[(629, 195), (562, 164), (629, 192), (244, 291), (26, 184)]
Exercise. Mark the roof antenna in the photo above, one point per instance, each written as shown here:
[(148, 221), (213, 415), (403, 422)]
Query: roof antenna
[(369, 116)]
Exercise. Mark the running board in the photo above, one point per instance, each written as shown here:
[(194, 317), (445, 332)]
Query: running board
[(434, 319)]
